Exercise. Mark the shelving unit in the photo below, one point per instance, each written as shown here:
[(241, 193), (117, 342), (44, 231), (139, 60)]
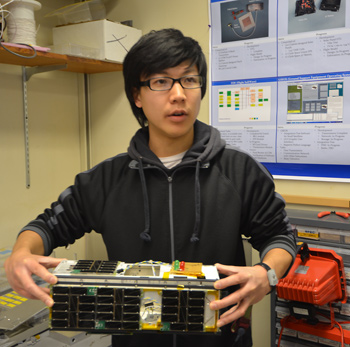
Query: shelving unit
[(330, 232), (73, 63)]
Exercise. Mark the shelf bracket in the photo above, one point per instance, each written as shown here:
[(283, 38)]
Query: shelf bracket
[(27, 73)]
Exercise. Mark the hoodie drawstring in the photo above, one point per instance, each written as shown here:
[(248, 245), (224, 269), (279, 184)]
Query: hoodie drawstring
[(197, 201), (145, 235)]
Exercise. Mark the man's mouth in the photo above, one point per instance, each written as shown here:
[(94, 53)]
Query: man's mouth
[(178, 114)]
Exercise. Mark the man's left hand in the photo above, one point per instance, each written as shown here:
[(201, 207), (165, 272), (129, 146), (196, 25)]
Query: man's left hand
[(254, 285)]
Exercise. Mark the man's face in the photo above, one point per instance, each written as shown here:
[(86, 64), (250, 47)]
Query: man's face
[(170, 113)]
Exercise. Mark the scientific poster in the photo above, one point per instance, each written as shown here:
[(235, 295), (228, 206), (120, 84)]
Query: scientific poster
[(280, 83)]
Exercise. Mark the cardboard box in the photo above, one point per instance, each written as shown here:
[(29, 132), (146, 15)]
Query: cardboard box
[(113, 40)]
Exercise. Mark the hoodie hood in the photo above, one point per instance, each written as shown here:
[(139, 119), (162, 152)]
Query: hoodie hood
[(207, 143)]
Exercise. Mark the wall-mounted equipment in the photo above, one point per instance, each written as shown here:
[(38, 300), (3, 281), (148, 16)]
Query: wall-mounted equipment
[(316, 279)]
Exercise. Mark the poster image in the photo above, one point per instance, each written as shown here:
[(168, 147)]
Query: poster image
[(314, 15), (244, 20)]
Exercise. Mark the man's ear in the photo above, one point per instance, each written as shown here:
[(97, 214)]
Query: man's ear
[(136, 96)]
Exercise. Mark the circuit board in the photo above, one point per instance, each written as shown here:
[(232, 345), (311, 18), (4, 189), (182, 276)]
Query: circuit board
[(114, 297)]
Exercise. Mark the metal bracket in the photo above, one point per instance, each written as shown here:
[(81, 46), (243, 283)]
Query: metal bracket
[(27, 73)]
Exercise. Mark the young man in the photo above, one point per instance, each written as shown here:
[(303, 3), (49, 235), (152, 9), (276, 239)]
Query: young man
[(178, 193)]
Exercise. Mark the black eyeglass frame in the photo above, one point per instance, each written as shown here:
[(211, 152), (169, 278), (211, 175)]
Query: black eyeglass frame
[(147, 83)]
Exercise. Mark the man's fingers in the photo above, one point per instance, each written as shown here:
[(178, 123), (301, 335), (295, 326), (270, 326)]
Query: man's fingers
[(28, 295), (233, 314), (50, 262), (38, 269), (25, 285), (238, 278), (31, 290), (20, 267), (225, 270), (229, 312), (229, 300)]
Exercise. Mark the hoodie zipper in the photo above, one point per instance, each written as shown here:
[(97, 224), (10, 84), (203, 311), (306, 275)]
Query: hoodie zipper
[(171, 217), (172, 237)]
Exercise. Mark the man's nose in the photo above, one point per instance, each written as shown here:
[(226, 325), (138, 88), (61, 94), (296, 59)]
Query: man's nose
[(177, 91)]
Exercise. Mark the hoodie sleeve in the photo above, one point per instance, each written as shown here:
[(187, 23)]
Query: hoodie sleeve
[(76, 212), (264, 219)]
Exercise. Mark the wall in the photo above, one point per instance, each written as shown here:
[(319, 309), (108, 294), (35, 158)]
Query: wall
[(54, 138)]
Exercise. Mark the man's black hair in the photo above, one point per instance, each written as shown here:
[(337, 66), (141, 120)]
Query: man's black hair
[(156, 52)]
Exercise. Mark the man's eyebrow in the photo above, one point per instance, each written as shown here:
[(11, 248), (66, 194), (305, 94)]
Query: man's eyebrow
[(190, 68)]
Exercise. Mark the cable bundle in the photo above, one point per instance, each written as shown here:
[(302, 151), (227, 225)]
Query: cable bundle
[(20, 21)]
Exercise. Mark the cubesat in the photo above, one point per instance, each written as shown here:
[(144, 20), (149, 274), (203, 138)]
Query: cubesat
[(115, 297)]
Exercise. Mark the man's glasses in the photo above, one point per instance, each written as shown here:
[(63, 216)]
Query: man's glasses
[(166, 83)]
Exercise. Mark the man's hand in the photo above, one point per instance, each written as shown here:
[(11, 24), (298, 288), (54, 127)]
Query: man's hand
[(254, 285), (253, 282), (21, 265)]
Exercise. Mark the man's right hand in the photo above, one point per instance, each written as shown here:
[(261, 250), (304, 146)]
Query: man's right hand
[(19, 268), (22, 264)]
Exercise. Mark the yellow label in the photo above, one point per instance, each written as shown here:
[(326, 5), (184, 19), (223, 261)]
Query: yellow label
[(147, 326), (12, 298), (215, 293), (6, 299), (309, 234), (20, 298)]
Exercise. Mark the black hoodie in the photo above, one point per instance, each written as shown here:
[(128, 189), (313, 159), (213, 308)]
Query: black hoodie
[(196, 211)]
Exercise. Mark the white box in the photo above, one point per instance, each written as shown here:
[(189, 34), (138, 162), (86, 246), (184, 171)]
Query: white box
[(77, 50), (113, 40)]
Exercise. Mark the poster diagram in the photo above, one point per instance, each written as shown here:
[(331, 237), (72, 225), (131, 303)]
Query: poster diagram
[(315, 102), (245, 104), (280, 83)]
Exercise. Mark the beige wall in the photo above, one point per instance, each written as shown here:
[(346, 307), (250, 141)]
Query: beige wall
[(54, 145), (54, 137)]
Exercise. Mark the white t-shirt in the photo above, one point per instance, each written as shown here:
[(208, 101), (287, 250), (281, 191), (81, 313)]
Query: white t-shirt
[(170, 162)]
